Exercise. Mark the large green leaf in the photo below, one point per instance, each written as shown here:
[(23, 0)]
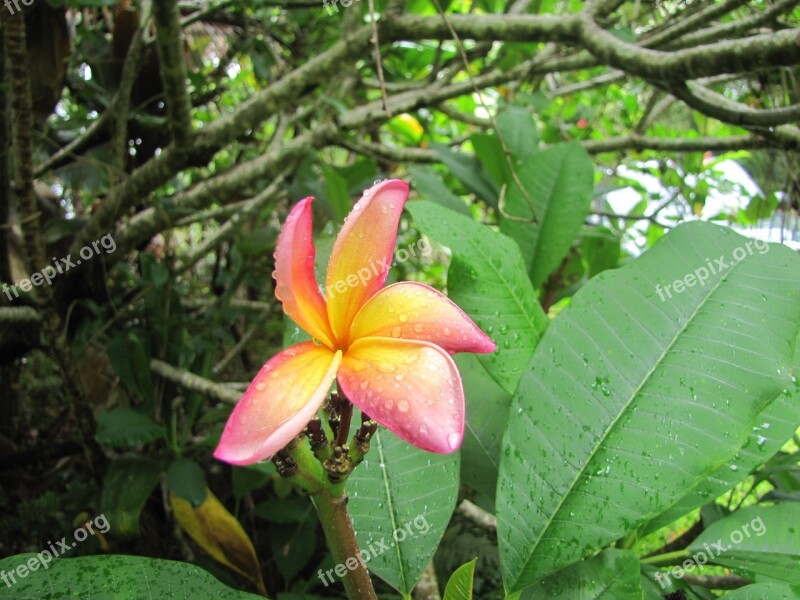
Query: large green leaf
[(630, 401), (401, 499), (612, 574), (118, 577), (487, 415), (772, 428), (487, 280), (758, 542), (129, 482), (558, 182), (765, 591)]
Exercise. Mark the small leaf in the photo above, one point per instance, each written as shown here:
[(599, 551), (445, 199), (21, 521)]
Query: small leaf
[(186, 479), (120, 427), (428, 185), (219, 533), (558, 181), (129, 482), (460, 586), (469, 171)]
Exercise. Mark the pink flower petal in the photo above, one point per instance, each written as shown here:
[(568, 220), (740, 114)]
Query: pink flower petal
[(297, 286), (280, 401), (362, 254), (414, 311), (410, 387)]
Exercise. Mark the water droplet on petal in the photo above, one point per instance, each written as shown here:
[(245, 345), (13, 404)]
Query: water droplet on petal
[(403, 318), (364, 384), (452, 440), (403, 406)]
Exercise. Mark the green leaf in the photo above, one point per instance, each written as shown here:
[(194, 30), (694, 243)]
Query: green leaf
[(600, 249), (118, 577), (765, 591), (186, 480), (772, 428), (519, 132), (460, 585), (121, 427), (559, 182), (487, 415), (758, 542), (612, 574), (128, 483), (490, 153), (469, 171), (275, 510), (630, 401), (487, 280), (428, 185), (293, 546), (399, 514), (130, 361), (337, 195)]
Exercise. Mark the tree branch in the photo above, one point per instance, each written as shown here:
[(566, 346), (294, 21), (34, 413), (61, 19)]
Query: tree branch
[(195, 383), (169, 42)]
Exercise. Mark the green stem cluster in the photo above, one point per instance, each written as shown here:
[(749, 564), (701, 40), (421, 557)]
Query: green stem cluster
[(321, 470)]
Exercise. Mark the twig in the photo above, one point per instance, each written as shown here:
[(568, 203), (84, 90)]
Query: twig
[(478, 516), (195, 383)]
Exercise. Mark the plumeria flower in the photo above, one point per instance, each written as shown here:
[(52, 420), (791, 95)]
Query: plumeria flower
[(388, 348)]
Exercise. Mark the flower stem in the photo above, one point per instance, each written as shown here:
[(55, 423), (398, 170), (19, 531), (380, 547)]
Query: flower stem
[(332, 510), (668, 558)]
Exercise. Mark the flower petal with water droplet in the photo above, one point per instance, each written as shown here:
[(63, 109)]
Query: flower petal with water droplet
[(362, 254), (274, 410), (428, 412), (296, 283), (422, 313)]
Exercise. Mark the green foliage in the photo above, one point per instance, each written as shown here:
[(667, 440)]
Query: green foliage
[(119, 577), (398, 515)]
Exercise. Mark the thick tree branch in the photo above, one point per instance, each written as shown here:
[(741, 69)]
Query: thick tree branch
[(781, 48), (721, 108), (169, 41)]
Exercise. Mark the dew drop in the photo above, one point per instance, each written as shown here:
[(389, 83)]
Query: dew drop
[(403, 406)]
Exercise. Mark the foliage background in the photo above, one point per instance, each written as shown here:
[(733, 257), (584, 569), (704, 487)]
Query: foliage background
[(186, 130)]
